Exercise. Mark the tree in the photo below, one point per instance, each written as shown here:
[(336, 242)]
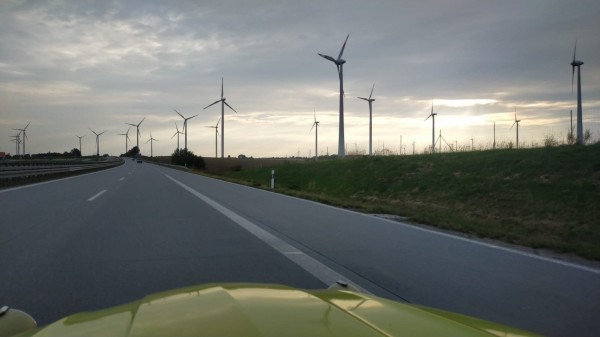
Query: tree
[(187, 158), (75, 153), (133, 152)]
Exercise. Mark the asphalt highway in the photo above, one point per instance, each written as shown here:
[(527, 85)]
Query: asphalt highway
[(106, 238)]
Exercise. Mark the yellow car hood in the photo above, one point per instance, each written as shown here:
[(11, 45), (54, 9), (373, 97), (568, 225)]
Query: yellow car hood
[(269, 310)]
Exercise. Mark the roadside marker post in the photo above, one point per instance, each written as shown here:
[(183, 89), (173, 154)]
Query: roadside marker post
[(272, 179)]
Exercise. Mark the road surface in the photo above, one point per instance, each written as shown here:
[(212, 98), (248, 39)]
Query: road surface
[(109, 237)]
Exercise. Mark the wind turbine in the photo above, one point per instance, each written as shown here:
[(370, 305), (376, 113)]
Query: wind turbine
[(184, 125), (177, 133), (432, 115), (17, 140), (216, 127), (137, 137), (516, 122), (126, 134), (339, 63), (24, 136), (370, 100), (98, 141), (80, 143), (223, 104), (316, 126), (574, 64), (151, 140)]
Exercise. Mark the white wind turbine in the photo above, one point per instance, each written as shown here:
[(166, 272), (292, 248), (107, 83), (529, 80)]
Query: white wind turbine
[(151, 140), (80, 153), (432, 115), (370, 100), (177, 133), (223, 104), (126, 134), (339, 63), (574, 64), (137, 137), (216, 127), (24, 136), (516, 122), (185, 130), (316, 126), (98, 141)]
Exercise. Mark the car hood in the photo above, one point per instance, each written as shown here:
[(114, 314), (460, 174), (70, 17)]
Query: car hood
[(269, 310)]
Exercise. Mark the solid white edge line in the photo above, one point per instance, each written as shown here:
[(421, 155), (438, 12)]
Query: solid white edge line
[(448, 235), (97, 195), (325, 274)]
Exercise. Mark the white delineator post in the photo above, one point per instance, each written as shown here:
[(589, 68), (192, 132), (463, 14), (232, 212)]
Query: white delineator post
[(272, 179)]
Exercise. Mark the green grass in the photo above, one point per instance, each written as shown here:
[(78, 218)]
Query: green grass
[(542, 198)]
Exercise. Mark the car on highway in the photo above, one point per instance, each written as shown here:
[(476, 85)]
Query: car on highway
[(259, 310)]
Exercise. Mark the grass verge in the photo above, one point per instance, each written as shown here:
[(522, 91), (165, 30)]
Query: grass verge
[(541, 198)]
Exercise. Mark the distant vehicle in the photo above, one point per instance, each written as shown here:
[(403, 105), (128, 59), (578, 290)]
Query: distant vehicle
[(139, 160), (259, 310)]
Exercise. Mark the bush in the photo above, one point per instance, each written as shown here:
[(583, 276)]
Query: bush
[(187, 158)]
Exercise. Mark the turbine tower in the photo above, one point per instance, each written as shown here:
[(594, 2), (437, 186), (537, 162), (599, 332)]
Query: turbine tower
[(316, 126), (516, 122), (370, 100), (184, 126), (24, 136), (151, 140), (223, 104), (177, 133), (339, 63), (137, 138), (216, 127), (17, 140), (126, 134), (432, 115), (98, 141), (574, 64), (80, 153)]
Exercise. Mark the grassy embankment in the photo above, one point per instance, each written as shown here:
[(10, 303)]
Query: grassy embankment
[(542, 198)]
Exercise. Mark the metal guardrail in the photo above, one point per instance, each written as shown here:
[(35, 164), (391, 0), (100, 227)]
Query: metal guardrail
[(17, 170)]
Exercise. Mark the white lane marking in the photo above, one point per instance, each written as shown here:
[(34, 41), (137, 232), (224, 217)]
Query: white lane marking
[(490, 245), (122, 178), (314, 267), (97, 195), (432, 231)]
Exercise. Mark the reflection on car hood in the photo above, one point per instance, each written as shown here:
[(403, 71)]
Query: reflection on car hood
[(269, 310)]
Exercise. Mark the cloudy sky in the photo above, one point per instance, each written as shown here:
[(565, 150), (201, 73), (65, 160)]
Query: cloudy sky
[(66, 66)]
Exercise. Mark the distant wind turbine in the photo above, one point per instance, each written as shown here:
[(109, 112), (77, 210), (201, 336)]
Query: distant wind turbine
[(98, 141), (126, 134), (17, 140), (137, 137), (316, 126), (216, 127), (223, 104), (151, 140), (574, 64), (370, 100), (24, 136), (432, 115), (339, 63), (185, 129), (80, 153), (177, 133), (516, 122)]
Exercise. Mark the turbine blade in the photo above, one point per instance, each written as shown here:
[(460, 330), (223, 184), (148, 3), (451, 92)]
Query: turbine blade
[(219, 121), (428, 117), (372, 91), (343, 47), (327, 57), (140, 123), (363, 98), (221, 87), (191, 117), (212, 104), (179, 113), (575, 50), (312, 127), (25, 128), (229, 106)]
